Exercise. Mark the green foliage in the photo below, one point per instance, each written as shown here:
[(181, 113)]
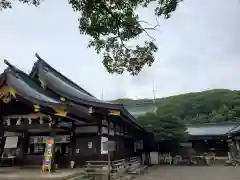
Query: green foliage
[(111, 25), (193, 108), (164, 127), (203, 107)]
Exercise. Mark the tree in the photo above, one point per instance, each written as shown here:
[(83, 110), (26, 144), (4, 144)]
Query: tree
[(166, 127), (111, 24)]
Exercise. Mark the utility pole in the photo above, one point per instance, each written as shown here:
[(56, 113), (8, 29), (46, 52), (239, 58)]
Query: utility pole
[(153, 90), (154, 96)]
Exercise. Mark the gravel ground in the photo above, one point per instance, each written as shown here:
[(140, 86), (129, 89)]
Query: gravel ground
[(192, 173)]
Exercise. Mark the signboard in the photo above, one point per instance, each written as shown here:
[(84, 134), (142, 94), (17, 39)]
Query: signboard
[(154, 158), (103, 141), (47, 161), (11, 142), (90, 145), (109, 146)]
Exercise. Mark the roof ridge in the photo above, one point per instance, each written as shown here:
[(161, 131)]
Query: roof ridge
[(69, 81), (13, 68)]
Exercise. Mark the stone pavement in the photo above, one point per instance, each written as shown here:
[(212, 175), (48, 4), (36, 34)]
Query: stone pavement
[(23, 173), (192, 173)]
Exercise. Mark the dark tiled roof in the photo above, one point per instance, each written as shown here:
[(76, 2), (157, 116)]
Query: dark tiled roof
[(68, 89), (28, 89), (216, 129)]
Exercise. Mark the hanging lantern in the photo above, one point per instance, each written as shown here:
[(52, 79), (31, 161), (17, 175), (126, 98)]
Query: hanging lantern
[(19, 121), (90, 110), (41, 120), (29, 121), (8, 122)]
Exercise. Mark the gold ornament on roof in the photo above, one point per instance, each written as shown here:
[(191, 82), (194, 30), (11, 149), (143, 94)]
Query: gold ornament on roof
[(61, 113), (36, 107), (114, 112), (6, 94)]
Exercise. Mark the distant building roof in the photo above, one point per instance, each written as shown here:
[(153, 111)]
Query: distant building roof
[(141, 109), (217, 129)]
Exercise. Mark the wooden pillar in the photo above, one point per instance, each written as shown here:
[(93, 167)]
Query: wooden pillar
[(24, 144), (53, 135), (108, 126), (100, 123), (2, 139), (115, 138), (99, 138), (73, 143)]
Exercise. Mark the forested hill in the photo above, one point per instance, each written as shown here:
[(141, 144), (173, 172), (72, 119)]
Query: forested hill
[(201, 107)]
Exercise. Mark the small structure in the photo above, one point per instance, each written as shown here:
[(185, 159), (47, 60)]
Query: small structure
[(208, 137)]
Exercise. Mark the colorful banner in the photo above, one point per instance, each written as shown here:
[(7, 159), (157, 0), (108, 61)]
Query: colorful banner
[(47, 160)]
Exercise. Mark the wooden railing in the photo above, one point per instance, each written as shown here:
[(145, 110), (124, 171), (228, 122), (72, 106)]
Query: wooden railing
[(118, 169), (135, 166)]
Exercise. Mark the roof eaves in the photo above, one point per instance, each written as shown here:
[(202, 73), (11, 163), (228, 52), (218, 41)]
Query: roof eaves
[(234, 130), (77, 110), (2, 79), (214, 124)]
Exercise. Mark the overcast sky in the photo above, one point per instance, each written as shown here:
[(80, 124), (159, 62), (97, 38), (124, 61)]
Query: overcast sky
[(199, 48)]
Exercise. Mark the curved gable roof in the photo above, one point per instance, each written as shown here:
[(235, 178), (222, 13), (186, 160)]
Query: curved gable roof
[(44, 64), (68, 89), (65, 87), (27, 88)]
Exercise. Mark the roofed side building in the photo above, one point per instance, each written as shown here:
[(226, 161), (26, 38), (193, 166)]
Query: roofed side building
[(214, 136)]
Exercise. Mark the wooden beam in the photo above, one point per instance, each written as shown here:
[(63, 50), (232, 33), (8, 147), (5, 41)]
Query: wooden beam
[(32, 115)]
